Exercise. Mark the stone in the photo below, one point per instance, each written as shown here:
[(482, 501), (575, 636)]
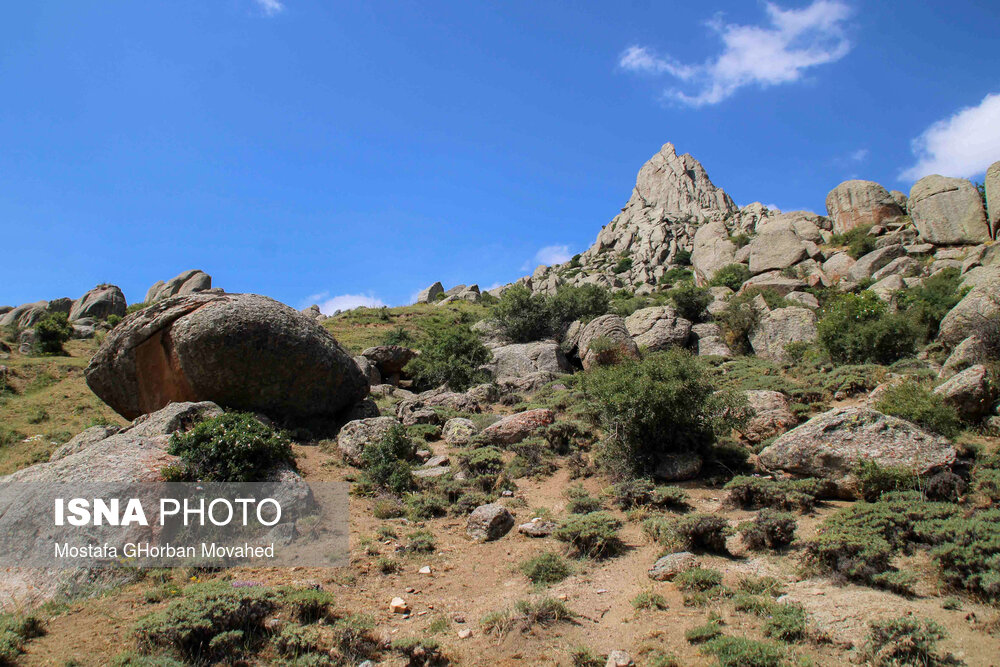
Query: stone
[(242, 351), (779, 247), (99, 303), (905, 267), (772, 415), (774, 280), (484, 394), (970, 392), (977, 312), (511, 362), (781, 326), (713, 346), (437, 460), (860, 203), (464, 633), (669, 566), (948, 211), (187, 282), (516, 427), (705, 329), (434, 471), (26, 315), (368, 369), (313, 312), (887, 288), (430, 294), (992, 183), (458, 431), (355, 435), (973, 350), (537, 528), (398, 606), (489, 522), (658, 328), (678, 467), (838, 266), (919, 249), (900, 198), (712, 250), (616, 342), (803, 299), (84, 439), (829, 446), (868, 264), (619, 659), (390, 360)]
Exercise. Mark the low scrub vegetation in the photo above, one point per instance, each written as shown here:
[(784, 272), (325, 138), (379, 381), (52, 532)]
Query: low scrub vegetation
[(234, 447), (523, 316), (453, 357), (915, 402), (858, 328)]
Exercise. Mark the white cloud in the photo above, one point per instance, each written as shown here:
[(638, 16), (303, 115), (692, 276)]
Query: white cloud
[(328, 305), (270, 7), (859, 155), (963, 145), (794, 40), (549, 255)]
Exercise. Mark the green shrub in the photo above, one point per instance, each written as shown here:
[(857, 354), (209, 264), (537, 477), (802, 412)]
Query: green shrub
[(522, 316), (690, 532), (526, 614), (787, 622), (769, 529), (581, 656), (650, 600), (663, 404), (858, 328), (16, 631), (354, 640), (752, 493), (624, 264), (420, 541), (581, 502), (732, 276), (873, 479), (858, 241), (703, 633), (914, 402), (676, 275), (51, 332), (682, 258), (741, 652), (593, 535), (763, 585), (906, 640), (385, 461), (699, 579), (189, 624), (577, 303), (740, 240), (419, 651), (633, 493), (927, 304), (690, 301), (545, 569), (295, 640), (398, 335), (233, 447), (425, 505), (453, 356), (308, 605), (135, 307)]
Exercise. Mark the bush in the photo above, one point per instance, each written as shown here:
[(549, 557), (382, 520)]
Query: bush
[(51, 332), (624, 264), (857, 328), (873, 479), (233, 447), (593, 535), (308, 605), (740, 652), (858, 241), (526, 614), (650, 600), (581, 502), (769, 529), (732, 276), (703, 633), (189, 624), (787, 622), (643, 493), (577, 303), (699, 579), (663, 404), (385, 461), (419, 651), (524, 317), (398, 335), (690, 301), (682, 258), (686, 533), (453, 357), (927, 304), (906, 640), (914, 402), (753, 493), (15, 632), (295, 640), (353, 639), (420, 541), (545, 569)]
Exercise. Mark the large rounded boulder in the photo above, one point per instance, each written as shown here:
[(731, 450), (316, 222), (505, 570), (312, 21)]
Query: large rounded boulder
[(242, 351)]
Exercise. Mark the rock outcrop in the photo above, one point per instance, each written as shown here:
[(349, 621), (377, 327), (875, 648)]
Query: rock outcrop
[(605, 339), (992, 184), (858, 203), (658, 328), (515, 428), (977, 313), (243, 351), (355, 435), (831, 445), (430, 294), (188, 282), (777, 328), (99, 303), (948, 210)]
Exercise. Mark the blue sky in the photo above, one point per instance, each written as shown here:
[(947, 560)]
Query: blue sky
[(349, 152)]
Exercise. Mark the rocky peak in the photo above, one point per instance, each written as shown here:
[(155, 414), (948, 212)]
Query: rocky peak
[(679, 186)]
